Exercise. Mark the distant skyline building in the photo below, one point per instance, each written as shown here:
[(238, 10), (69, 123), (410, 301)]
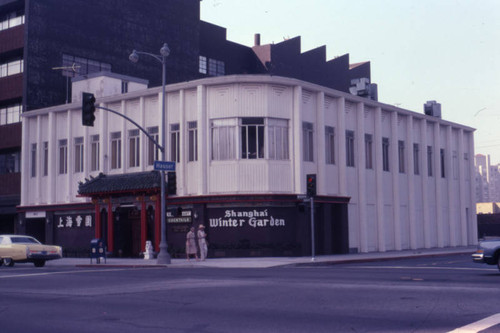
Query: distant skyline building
[(487, 179)]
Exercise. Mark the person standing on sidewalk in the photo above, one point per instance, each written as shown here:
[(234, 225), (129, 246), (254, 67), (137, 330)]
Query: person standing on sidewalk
[(191, 244), (202, 242)]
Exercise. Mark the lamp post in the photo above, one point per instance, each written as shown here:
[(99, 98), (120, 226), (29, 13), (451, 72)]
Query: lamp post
[(163, 255)]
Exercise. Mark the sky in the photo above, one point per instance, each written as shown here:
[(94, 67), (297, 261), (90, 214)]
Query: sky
[(420, 50)]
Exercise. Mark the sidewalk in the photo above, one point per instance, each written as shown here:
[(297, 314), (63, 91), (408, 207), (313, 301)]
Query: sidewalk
[(264, 262)]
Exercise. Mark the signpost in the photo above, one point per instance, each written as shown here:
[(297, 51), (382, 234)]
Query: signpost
[(164, 165)]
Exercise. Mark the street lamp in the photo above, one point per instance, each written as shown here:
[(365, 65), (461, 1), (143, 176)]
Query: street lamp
[(163, 255)]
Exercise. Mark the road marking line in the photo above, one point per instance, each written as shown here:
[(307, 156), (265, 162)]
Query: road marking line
[(64, 272), (426, 267), (479, 325)]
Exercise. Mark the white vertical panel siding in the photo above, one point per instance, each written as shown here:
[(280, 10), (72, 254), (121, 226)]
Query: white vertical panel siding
[(223, 177), (151, 111), (251, 100), (253, 176), (280, 177), (190, 104), (279, 101), (172, 102), (221, 101)]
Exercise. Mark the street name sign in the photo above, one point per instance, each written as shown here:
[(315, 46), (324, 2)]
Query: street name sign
[(164, 165)]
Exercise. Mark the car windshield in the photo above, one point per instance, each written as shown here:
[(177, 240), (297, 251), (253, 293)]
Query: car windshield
[(24, 240)]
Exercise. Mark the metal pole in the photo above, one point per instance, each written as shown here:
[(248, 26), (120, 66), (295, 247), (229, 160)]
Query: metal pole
[(312, 230), (163, 255)]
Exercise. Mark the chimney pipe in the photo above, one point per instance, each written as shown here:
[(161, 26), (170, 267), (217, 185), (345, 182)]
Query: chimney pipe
[(256, 40)]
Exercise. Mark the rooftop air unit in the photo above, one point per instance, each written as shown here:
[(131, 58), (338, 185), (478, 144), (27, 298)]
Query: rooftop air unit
[(432, 108)]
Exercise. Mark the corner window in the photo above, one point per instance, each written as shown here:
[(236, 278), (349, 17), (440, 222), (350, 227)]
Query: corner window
[(223, 139), (252, 138)]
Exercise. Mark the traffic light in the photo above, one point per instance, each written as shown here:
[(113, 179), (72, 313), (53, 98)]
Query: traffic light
[(171, 183), (311, 185), (88, 109)]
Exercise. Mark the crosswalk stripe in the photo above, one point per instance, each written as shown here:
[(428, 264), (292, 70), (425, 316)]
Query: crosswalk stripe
[(479, 325)]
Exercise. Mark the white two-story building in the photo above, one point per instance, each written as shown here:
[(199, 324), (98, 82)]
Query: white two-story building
[(387, 178)]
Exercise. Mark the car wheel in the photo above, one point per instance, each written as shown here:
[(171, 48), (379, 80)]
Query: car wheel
[(498, 261), (39, 263), (8, 262), (1, 262)]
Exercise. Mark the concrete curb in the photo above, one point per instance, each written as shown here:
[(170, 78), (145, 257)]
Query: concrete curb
[(272, 262)]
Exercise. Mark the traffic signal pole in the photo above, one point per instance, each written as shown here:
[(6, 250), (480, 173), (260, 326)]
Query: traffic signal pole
[(313, 240)]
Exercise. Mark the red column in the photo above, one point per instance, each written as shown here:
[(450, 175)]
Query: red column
[(111, 238), (157, 223), (97, 220), (144, 225)]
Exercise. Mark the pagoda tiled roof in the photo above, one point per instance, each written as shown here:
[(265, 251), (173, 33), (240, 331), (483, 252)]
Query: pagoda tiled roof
[(128, 182)]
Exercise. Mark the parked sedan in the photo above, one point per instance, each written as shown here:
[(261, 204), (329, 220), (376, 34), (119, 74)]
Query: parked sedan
[(20, 248), (488, 252)]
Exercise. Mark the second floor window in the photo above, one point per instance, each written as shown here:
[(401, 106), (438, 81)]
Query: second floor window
[(223, 139), (134, 148), (33, 160), (252, 138), (369, 151), (429, 161), (416, 159), (45, 158), (116, 150), (94, 152), (174, 143), (79, 154), (329, 145), (63, 156), (442, 159), (349, 148), (192, 141), (308, 141), (401, 156), (385, 154), (153, 150)]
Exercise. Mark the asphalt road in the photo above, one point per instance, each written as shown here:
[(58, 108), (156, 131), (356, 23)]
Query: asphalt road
[(415, 295)]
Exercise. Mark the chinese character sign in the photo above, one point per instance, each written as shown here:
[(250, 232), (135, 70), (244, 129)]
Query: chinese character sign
[(74, 221)]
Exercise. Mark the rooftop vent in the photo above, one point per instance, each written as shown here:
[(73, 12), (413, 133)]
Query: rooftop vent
[(432, 108), (362, 87)]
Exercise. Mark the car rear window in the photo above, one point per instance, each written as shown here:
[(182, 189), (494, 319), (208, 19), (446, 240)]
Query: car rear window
[(23, 240)]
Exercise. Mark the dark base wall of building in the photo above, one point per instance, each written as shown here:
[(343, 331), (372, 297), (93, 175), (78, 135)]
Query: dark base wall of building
[(246, 226), (236, 226)]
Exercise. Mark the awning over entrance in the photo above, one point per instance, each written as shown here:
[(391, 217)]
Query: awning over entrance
[(130, 182)]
